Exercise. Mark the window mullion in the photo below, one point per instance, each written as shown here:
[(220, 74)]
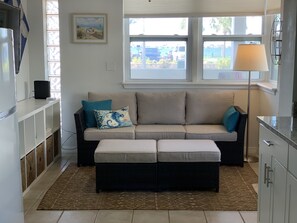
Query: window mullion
[(232, 38), (158, 38)]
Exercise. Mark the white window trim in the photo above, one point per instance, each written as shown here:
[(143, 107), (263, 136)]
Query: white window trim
[(127, 70), (195, 79)]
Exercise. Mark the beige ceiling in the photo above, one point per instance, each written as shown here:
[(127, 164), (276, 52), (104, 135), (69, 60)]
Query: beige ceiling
[(154, 8)]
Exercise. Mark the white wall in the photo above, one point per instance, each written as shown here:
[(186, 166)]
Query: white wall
[(22, 78), (36, 42), (83, 66)]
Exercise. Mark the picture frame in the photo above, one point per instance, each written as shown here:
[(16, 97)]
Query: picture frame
[(89, 28)]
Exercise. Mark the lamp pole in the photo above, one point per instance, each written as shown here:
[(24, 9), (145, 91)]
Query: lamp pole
[(248, 120), (247, 157)]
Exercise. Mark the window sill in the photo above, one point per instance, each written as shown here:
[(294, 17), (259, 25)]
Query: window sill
[(268, 87), (188, 85), (264, 86)]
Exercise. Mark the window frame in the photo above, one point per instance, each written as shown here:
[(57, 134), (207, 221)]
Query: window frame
[(151, 38), (195, 59), (50, 76), (222, 38)]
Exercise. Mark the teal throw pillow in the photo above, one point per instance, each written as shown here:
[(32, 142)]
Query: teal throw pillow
[(107, 119), (90, 106), (230, 119)]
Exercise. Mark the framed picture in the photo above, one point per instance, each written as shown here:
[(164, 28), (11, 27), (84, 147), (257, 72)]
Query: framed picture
[(89, 28)]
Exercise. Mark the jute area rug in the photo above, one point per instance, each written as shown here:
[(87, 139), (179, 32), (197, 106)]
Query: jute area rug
[(75, 190)]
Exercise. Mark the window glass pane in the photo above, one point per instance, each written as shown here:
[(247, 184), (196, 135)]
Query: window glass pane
[(54, 69), (55, 83), (218, 60), (53, 53), (250, 25), (158, 60), (52, 7), (158, 26), (52, 22), (274, 72), (53, 38)]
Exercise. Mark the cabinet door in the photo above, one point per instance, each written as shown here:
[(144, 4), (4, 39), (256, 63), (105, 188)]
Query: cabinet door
[(291, 213), (49, 150), (40, 161), (23, 173), (30, 162), (278, 191), (264, 188)]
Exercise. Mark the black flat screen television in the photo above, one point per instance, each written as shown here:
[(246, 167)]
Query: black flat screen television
[(10, 18)]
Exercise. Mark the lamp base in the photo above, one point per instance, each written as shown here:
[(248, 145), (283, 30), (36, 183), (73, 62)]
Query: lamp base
[(251, 159)]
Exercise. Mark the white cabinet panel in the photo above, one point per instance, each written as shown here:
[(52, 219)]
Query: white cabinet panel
[(264, 189), (278, 191), (292, 161), (291, 212), (272, 178)]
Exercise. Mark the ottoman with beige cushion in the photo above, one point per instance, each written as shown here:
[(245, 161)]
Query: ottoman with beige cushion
[(126, 165), (188, 164)]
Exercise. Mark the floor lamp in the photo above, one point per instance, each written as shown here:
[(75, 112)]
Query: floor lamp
[(250, 57)]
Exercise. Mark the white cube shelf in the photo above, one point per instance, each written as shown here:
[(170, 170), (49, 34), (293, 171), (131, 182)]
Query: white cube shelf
[(38, 120)]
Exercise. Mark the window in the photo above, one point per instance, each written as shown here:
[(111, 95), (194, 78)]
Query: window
[(158, 49), (53, 47), (161, 50), (275, 46), (221, 36)]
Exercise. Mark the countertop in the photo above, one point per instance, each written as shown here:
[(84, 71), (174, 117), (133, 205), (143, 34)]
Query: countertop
[(284, 127)]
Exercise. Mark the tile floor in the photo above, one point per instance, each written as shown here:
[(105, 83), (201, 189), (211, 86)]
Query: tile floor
[(34, 195)]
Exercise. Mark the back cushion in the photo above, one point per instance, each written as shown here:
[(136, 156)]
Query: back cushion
[(119, 100), (161, 107), (207, 108)]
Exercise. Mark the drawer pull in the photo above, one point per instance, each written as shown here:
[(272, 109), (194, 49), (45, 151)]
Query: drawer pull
[(268, 179), (268, 143), (267, 171)]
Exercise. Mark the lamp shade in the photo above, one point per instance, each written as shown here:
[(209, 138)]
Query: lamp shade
[(251, 57)]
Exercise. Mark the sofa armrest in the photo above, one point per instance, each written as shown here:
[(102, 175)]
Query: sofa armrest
[(80, 125), (241, 124)]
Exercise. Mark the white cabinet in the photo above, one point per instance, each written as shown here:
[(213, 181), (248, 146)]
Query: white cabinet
[(291, 212), (272, 178), (277, 201), (291, 202), (39, 137)]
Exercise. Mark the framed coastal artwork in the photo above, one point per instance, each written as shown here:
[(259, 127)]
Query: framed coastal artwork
[(89, 28)]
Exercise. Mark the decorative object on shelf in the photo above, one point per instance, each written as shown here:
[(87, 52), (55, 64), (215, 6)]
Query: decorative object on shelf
[(276, 41), (89, 28), (250, 57)]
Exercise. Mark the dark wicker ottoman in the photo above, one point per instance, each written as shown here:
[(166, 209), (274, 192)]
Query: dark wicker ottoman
[(126, 165), (188, 165)]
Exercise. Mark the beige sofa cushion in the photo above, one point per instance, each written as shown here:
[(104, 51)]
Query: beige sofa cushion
[(213, 132), (95, 134), (207, 108), (160, 132), (161, 107), (188, 151), (126, 151), (119, 100)]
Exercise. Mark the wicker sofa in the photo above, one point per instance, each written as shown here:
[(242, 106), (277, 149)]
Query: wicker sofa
[(167, 115)]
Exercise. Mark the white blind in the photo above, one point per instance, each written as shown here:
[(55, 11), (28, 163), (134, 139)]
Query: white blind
[(199, 8)]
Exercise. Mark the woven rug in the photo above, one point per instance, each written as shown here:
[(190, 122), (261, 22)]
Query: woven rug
[(75, 190)]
